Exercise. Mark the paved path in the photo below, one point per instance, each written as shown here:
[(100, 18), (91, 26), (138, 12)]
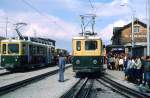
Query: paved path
[(46, 88), (116, 74)]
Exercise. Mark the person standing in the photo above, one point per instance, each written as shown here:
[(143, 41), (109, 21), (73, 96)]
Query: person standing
[(147, 71), (127, 70), (121, 64), (132, 70), (116, 63), (125, 62), (142, 69), (138, 73), (62, 63)]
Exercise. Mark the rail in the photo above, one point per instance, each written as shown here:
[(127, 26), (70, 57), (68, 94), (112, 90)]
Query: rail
[(16, 85), (125, 90)]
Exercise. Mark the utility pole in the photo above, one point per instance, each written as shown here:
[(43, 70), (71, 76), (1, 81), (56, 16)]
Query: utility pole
[(35, 34), (132, 27), (132, 33), (6, 26), (148, 25)]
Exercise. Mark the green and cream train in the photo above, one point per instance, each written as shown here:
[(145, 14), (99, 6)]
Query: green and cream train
[(88, 54), (26, 53)]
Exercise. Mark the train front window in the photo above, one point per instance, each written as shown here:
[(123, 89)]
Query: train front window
[(90, 45), (78, 45), (13, 48)]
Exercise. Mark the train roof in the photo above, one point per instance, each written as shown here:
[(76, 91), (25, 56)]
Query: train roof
[(12, 40), (86, 37), (32, 39), (41, 40)]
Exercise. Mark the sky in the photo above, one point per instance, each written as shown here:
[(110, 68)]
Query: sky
[(60, 19)]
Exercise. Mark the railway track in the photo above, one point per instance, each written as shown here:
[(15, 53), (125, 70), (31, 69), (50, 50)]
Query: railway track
[(80, 90), (88, 88), (101, 88), (13, 86), (125, 90)]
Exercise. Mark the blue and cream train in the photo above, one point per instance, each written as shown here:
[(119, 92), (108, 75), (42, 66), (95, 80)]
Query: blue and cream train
[(88, 54), (26, 53)]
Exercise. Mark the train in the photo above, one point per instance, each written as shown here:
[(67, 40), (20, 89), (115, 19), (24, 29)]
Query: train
[(26, 53), (59, 51), (88, 54)]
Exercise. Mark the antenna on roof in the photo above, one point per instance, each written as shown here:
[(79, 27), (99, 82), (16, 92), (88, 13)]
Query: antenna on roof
[(17, 27), (88, 21)]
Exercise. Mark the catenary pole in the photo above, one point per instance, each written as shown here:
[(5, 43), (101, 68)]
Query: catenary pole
[(148, 25)]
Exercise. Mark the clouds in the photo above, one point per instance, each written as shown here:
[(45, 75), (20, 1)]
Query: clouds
[(45, 26), (107, 32), (58, 18)]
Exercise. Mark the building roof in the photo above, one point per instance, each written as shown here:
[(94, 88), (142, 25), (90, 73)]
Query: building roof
[(136, 21)]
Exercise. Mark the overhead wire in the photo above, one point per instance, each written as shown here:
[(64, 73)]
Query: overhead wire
[(41, 13)]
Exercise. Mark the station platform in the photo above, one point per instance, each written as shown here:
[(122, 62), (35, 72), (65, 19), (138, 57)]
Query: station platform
[(49, 87), (118, 76)]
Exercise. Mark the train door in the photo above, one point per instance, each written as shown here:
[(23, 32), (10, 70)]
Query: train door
[(48, 55), (24, 53)]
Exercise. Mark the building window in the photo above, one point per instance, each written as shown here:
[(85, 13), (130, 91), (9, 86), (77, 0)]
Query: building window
[(136, 29)]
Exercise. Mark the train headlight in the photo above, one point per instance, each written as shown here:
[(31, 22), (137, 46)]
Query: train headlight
[(16, 59), (77, 61), (94, 61), (3, 59)]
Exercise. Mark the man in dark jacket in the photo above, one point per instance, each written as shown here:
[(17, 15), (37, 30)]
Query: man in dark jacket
[(62, 63)]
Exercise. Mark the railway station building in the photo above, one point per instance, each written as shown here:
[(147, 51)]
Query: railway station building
[(122, 39)]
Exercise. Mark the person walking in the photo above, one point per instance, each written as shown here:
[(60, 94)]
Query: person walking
[(62, 63)]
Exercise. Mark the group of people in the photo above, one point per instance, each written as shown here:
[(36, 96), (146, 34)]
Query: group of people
[(116, 62), (136, 69)]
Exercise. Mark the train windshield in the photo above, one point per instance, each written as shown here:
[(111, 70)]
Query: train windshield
[(90, 45), (13, 48)]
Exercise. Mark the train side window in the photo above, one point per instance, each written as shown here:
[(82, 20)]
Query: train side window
[(34, 50), (30, 47), (52, 49), (41, 50), (78, 45), (4, 49), (37, 50), (23, 49)]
